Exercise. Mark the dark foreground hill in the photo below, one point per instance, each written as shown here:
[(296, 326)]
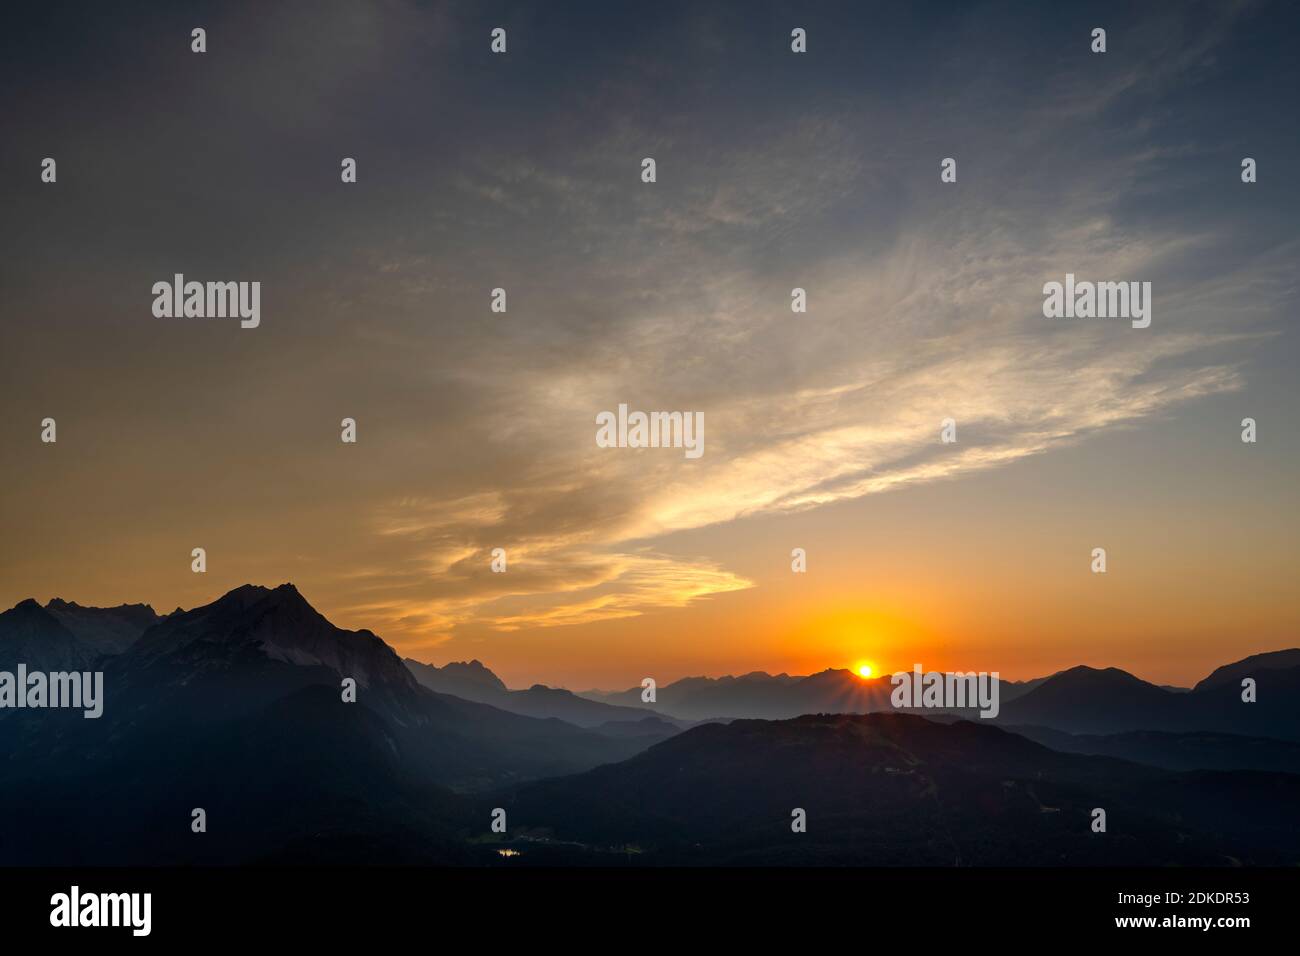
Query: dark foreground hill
[(898, 790)]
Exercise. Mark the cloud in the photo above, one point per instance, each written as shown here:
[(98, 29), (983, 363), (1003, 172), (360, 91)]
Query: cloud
[(807, 410), (478, 429), (925, 304)]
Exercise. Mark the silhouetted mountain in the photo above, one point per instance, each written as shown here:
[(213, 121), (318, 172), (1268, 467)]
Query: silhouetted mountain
[(1249, 667), (542, 701), (237, 707), (774, 697), (31, 635), (889, 789), (1084, 700), (1097, 701), (761, 695), (473, 681), (108, 630), (255, 644), (467, 680), (291, 781), (1010, 689)]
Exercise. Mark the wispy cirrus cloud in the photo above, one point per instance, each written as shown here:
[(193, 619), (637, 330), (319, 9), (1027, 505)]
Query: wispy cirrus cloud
[(943, 321), (523, 172)]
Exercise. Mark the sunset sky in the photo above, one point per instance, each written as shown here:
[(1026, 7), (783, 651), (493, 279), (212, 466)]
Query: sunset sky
[(476, 430)]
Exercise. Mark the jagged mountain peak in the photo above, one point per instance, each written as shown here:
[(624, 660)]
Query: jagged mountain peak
[(470, 679), (277, 624), (31, 635)]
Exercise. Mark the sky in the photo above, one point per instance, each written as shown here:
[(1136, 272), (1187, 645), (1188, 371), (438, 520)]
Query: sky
[(775, 170)]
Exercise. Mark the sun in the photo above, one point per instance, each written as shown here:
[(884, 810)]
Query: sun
[(864, 669)]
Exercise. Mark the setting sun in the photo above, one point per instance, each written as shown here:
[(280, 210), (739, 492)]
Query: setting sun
[(864, 670)]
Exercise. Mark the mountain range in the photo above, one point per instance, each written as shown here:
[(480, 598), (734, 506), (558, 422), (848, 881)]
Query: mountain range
[(62, 635), (764, 696), (238, 707), (1081, 700), (472, 681), (1086, 700)]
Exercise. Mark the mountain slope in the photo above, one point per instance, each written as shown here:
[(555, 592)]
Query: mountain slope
[(1249, 667), (468, 680), (1084, 700), (473, 681), (31, 635), (108, 630), (237, 707), (301, 779), (887, 789), (1095, 701)]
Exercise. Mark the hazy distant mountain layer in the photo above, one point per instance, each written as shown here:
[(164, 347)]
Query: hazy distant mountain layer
[(773, 697), (1082, 700), (473, 681), (1187, 751)]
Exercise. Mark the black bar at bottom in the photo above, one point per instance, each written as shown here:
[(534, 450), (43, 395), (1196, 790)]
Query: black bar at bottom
[(326, 906)]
